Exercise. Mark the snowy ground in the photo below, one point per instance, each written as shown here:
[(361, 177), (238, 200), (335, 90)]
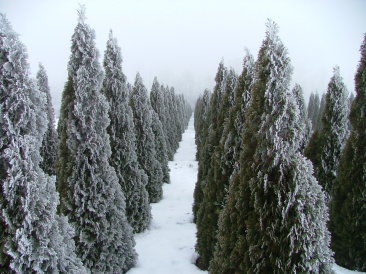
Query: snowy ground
[(168, 246)]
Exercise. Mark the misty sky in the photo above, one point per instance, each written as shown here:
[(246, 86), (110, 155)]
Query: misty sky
[(182, 42)]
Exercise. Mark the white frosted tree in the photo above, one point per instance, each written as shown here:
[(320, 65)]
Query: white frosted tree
[(34, 239), (49, 144), (132, 179), (298, 95), (146, 148), (313, 110), (334, 131), (91, 195)]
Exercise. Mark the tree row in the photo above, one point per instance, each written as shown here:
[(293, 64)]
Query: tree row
[(72, 198), (280, 187)]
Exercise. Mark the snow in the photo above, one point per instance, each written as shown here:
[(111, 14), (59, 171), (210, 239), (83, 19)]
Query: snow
[(340, 270), (168, 246)]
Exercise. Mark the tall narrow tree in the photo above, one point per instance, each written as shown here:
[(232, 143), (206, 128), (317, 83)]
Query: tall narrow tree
[(34, 239), (206, 231), (327, 146), (91, 195), (275, 215), (348, 211), (146, 148), (49, 144), (132, 179)]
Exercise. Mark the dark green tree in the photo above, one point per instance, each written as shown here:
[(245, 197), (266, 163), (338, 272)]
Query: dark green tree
[(275, 217), (348, 211), (216, 182), (334, 132)]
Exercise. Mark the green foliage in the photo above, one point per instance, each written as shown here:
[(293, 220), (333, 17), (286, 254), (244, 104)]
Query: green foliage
[(348, 211), (261, 228)]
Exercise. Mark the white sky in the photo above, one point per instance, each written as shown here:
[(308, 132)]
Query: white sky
[(182, 42)]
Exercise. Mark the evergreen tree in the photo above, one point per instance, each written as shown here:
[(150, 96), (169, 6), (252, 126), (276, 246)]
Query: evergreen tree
[(160, 145), (49, 144), (121, 130), (334, 131), (313, 110), (146, 147), (91, 195), (34, 239), (299, 99), (201, 129), (206, 217), (348, 212), (275, 216)]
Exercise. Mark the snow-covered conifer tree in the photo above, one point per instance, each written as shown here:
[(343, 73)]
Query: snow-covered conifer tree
[(334, 131), (275, 216), (299, 99), (91, 195), (49, 144), (348, 211), (34, 239), (121, 130), (146, 148)]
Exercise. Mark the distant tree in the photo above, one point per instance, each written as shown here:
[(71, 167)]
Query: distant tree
[(161, 146), (50, 142), (91, 195), (146, 147), (275, 216), (313, 110), (348, 211), (132, 179), (205, 236), (34, 239)]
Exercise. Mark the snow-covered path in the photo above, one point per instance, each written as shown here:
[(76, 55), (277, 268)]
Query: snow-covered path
[(168, 246)]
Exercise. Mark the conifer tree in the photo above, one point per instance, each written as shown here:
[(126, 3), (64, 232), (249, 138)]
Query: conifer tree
[(313, 110), (348, 212), (275, 217), (34, 239), (160, 145), (146, 147), (299, 99), (91, 195), (132, 179), (201, 129), (333, 133), (205, 235), (49, 144)]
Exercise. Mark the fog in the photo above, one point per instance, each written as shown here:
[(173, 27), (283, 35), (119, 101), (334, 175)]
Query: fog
[(182, 42)]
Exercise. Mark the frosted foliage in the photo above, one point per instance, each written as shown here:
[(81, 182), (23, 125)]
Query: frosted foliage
[(132, 179), (30, 227), (93, 200), (279, 122), (242, 94), (146, 150), (49, 144), (300, 227), (335, 129)]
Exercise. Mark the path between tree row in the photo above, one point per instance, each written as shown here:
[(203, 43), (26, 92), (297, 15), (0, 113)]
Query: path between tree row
[(168, 245)]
